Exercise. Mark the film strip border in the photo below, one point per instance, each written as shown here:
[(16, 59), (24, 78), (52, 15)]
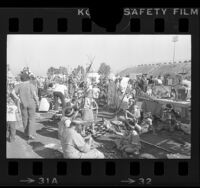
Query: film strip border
[(96, 172), (38, 25), (70, 21)]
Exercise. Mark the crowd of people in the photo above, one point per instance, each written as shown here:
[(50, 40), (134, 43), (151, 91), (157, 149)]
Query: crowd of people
[(80, 102)]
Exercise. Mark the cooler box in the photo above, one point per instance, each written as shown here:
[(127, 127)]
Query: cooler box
[(44, 105)]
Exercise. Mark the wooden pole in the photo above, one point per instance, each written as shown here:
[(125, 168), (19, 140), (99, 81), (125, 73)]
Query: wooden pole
[(174, 51), (159, 147)]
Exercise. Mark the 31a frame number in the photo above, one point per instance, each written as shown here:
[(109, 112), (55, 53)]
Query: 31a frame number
[(49, 181)]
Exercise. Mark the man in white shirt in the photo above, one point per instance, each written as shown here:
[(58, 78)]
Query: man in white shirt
[(59, 91)]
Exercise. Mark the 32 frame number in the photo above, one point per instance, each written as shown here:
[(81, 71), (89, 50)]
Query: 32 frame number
[(145, 181)]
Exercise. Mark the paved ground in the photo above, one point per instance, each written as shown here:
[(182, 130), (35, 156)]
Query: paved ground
[(47, 145)]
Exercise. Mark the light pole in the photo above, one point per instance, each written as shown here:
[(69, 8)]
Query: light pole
[(174, 40)]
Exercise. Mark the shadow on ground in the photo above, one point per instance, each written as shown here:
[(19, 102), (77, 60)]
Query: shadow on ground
[(21, 135), (43, 152), (49, 123), (48, 132), (109, 149)]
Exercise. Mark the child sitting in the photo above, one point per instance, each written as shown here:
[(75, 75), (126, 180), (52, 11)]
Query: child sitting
[(147, 123)]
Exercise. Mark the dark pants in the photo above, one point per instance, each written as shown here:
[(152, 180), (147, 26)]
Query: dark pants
[(28, 119), (39, 93), (62, 98), (145, 88), (11, 130)]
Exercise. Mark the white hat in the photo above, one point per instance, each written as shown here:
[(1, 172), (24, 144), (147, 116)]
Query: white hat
[(66, 121)]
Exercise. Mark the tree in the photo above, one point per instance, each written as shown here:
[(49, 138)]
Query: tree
[(104, 69), (78, 73), (63, 70), (50, 71)]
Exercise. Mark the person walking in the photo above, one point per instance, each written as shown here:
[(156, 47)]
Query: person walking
[(25, 93)]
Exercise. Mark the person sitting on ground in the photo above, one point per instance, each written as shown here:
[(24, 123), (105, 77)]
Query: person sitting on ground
[(74, 146), (131, 116)]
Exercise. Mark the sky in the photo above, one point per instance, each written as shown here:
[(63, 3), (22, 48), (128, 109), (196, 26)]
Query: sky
[(40, 52)]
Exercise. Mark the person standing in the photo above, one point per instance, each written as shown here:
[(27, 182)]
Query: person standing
[(40, 87), (34, 81), (150, 80), (59, 92), (11, 117), (25, 93), (110, 94), (144, 83)]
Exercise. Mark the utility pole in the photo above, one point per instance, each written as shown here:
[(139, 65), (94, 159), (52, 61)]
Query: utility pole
[(174, 40)]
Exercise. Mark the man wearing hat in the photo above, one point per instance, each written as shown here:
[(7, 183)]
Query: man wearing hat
[(73, 144)]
